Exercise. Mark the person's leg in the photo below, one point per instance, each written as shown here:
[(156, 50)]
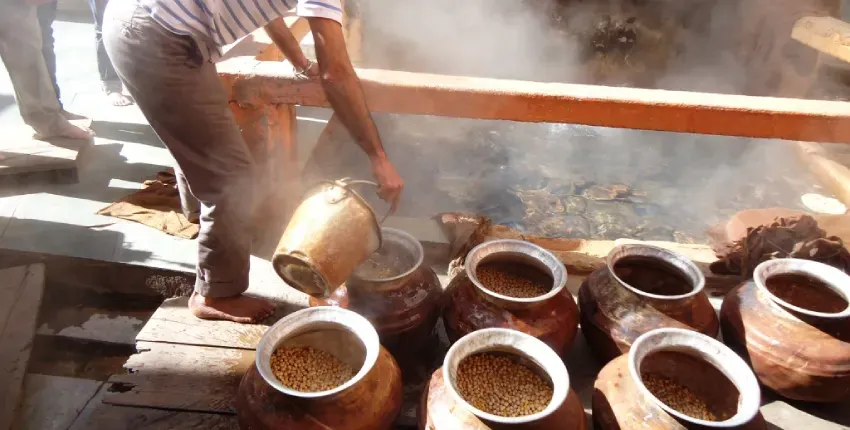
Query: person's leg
[(21, 51), (46, 16), (181, 96), (188, 202), (110, 82)]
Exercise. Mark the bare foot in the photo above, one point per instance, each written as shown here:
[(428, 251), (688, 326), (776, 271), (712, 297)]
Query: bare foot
[(71, 116), (66, 129), (118, 99), (241, 309)]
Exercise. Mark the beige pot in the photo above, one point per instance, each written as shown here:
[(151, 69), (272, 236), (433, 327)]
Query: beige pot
[(332, 231)]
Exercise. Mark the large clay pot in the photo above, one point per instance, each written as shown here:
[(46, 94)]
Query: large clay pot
[(370, 400), (404, 307), (642, 288), (796, 339), (710, 370), (470, 306), (442, 407)]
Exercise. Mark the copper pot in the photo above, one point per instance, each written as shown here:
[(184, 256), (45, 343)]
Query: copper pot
[(712, 372), (443, 408), (614, 312), (470, 306), (404, 306), (331, 232), (796, 348), (369, 401)]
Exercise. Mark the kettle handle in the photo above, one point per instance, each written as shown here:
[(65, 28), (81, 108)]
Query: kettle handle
[(346, 182)]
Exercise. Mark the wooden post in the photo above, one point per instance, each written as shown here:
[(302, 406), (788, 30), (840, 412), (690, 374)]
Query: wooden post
[(269, 131)]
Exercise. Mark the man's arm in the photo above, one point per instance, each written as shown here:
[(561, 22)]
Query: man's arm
[(285, 41), (342, 87)]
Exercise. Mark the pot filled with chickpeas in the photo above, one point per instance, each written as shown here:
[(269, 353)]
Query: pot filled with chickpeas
[(320, 366), (675, 378), (496, 378), (512, 284)]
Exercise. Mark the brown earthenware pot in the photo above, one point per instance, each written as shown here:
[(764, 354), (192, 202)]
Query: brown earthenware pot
[(369, 401), (404, 307), (712, 372), (797, 340), (642, 288), (470, 306), (442, 407)]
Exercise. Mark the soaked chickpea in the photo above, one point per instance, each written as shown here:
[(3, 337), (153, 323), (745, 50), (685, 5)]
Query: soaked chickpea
[(677, 397), (514, 280), (309, 369), (500, 386)]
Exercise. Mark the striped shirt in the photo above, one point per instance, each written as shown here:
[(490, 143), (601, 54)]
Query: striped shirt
[(221, 22)]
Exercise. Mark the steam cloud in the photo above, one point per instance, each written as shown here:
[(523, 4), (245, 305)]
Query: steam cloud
[(682, 183)]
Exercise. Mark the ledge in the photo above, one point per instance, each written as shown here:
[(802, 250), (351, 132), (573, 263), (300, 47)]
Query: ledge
[(260, 82)]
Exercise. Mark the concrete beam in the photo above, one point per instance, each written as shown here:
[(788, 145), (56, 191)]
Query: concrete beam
[(480, 98)]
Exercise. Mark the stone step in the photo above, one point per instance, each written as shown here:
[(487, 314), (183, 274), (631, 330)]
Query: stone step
[(87, 315)]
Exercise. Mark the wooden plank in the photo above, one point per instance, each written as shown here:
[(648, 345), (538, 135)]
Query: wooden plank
[(124, 418), (182, 377), (825, 34), (21, 289), (784, 415), (54, 402), (500, 99), (835, 176), (98, 415), (173, 323)]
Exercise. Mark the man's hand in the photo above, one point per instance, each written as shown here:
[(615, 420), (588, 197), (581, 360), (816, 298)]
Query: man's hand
[(390, 183), (309, 70)]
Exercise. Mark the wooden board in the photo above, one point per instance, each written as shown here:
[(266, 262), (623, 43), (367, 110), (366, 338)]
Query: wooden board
[(400, 92), (173, 323), (181, 377), (54, 402), (21, 289), (101, 416), (834, 175), (825, 34)]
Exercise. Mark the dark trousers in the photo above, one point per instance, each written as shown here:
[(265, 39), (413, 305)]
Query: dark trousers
[(46, 16), (177, 88)]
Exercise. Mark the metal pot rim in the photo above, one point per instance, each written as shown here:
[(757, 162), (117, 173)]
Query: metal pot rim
[(714, 353), (291, 325), (559, 272), (833, 278), (279, 261), (693, 273), (416, 244), (515, 342)]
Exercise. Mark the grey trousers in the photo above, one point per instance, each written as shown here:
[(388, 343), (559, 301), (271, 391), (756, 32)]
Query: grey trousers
[(20, 49), (177, 89)]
